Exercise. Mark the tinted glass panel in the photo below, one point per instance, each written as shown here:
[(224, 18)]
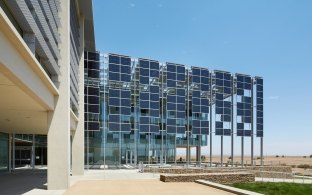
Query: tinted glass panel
[(114, 101), (125, 127), (114, 127)]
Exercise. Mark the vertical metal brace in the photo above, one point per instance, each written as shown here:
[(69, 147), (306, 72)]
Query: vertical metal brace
[(232, 123), (13, 152), (162, 124), (242, 147), (10, 153), (252, 123), (187, 122), (222, 150), (210, 136)]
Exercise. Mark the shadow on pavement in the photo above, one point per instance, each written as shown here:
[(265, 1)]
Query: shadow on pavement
[(22, 181)]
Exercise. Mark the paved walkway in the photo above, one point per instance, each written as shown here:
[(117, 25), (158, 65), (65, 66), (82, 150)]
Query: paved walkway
[(140, 187), (23, 181), (123, 174)]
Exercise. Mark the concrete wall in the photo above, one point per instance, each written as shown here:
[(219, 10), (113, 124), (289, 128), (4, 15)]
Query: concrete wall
[(223, 178)]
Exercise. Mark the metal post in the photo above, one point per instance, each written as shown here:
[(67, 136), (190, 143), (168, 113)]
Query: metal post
[(242, 157), (210, 136), (188, 125), (10, 153), (252, 124), (33, 152), (261, 150), (136, 148), (13, 152), (232, 123), (149, 148), (104, 145), (162, 124), (199, 150), (175, 149), (119, 152), (162, 149), (221, 150), (104, 116)]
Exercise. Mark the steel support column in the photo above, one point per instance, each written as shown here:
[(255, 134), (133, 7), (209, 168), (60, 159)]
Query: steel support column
[(261, 150), (13, 152), (210, 135), (221, 150), (242, 147), (232, 122), (252, 125)]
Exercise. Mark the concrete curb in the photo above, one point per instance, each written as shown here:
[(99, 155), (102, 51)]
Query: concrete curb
[(226, 188)]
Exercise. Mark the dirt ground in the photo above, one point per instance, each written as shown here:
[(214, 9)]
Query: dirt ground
[(268, 160), (293, 161)]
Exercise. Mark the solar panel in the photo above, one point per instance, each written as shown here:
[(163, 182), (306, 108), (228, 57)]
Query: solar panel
[(223, 103), (176, 100), (199, 96), (259, 96), (244, 105)]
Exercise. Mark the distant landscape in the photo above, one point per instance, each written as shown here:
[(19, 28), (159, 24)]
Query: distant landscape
[(301, 165)]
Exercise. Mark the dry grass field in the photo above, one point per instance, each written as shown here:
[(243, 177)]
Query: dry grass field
[(293, 161)]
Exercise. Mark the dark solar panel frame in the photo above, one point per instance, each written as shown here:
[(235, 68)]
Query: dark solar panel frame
[(200, 91), (244, 108), (149, 96), (119, 97), (259, 100), (175, 82), (223, 103)]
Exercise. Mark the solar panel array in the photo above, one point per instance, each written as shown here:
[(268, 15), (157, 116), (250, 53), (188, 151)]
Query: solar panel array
[(259, 120), (244, 105), (92, 91), (175, 98), (223, 104), (149, 121), (119, 96), (149, 96), (200, 100)]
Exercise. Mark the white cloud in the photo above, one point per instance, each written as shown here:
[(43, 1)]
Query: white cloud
[(274, 97)]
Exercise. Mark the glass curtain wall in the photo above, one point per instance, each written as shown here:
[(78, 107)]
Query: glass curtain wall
[(4, 152)]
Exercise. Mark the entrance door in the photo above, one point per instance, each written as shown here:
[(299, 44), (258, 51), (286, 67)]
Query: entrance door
[(22, 156), (130, 157)]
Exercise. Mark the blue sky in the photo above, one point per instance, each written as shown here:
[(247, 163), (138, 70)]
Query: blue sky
[(268, 38)]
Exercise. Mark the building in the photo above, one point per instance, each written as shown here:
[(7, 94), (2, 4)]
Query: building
[(41, 84), (56, 100), (142, 110)]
